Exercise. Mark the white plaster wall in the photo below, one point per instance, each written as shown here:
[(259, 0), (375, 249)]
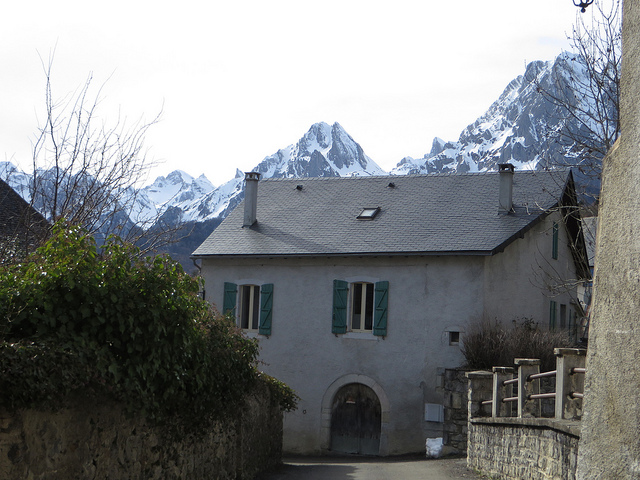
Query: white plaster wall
[(521, 280), (427, 296)]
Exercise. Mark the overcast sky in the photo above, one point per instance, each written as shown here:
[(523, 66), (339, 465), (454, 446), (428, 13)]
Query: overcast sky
[(237, 80)]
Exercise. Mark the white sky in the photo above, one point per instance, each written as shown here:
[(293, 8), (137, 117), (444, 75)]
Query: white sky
[(237, 80)]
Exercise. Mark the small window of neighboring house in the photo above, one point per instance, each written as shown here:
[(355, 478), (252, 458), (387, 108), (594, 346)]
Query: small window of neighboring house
[(251, 305), (360, 307), (553, 312), (563, 316), (554, 245)]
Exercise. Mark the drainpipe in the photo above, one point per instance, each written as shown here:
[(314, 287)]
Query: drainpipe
[(505, 200), (250, 198)]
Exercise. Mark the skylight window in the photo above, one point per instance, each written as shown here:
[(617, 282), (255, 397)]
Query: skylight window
[(368, 213)]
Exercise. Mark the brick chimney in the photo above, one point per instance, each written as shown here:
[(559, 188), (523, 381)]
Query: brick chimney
[(505, 199), (250, 198)]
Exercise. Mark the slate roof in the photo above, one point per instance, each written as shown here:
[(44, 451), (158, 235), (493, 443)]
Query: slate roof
[(19, 222), (432, 214)]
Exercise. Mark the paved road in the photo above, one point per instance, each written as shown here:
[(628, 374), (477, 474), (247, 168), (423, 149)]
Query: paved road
[(348, 468)]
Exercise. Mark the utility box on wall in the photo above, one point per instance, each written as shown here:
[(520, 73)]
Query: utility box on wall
[(433, 412)]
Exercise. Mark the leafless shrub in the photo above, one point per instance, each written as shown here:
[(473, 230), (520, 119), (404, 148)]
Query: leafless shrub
[(488, 344)]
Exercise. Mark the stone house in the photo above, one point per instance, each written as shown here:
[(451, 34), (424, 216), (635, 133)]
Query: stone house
[(360, 289)]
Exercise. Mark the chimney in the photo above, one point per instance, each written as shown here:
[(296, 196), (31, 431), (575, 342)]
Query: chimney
[(250, 197), (505, 200)]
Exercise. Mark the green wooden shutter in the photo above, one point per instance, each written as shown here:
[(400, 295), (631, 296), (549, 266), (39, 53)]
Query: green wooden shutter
[(552, 315), (229, 300), (381, 301), (340, 295), (554, 247), (266, 307)]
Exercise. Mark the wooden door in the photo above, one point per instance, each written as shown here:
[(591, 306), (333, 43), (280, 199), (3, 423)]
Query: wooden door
[(355, 420)]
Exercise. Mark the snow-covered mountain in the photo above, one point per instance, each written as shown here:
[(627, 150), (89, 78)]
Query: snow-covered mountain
[(524, 126), (528, 126), (324, 151)]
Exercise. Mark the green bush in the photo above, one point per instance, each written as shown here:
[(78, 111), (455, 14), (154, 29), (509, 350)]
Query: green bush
[(77, 317), (491, 344)]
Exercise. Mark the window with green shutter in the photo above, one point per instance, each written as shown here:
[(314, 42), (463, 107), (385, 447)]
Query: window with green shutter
[(381, 307), (360, 307), (553, 312), (266, 309), (251, 305), (229, 299), (340, 299)]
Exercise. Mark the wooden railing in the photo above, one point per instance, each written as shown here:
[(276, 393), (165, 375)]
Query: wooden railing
[(515, 392)]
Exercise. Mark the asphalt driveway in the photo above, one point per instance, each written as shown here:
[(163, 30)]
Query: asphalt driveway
[(351, 468)]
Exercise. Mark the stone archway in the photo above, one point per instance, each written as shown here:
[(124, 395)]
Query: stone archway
[(374, 405)]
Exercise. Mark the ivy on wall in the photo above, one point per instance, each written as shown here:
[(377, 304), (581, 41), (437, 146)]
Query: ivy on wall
[(75, 317)]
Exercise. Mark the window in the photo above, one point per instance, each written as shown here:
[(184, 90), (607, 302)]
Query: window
[(563, 316), (360, 307), (553, 312), (252, 306), (248, 312), (454, 338), (368, 213), (554, 246)]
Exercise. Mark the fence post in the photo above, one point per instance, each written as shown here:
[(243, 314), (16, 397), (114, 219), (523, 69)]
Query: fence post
[(526, 367), (480, 384), (567, 382), (500, 391)]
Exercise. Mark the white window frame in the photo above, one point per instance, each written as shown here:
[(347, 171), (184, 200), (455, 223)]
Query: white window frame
[(253, 307), (363, 305)]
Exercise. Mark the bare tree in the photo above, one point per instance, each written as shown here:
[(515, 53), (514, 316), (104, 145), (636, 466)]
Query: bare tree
[(588, 100), (89, 172)]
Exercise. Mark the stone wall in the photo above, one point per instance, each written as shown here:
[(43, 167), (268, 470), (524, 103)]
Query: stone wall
[(455, 410), (524, 449), (96, 440)]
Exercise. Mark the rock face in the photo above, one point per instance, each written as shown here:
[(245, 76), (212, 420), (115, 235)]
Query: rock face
[(609, 446)]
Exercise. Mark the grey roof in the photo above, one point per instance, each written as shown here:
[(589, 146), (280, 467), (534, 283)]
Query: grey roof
[(19, 221), (420, 214)]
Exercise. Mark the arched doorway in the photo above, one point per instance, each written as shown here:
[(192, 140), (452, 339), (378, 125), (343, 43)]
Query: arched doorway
[(356, 420)]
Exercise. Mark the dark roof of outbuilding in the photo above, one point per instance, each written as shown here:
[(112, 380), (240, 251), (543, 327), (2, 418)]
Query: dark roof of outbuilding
[(19, 221), (419, 214)]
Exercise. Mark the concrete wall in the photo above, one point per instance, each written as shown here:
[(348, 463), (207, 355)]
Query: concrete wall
[(609, 446), (428, 297), (523, 449), (96, 440)]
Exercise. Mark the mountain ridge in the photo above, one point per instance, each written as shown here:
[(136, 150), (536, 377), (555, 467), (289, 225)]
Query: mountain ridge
[(521, 127)]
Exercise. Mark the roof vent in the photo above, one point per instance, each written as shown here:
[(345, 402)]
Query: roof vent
[(505, 196), (298, 187), (391, 185)]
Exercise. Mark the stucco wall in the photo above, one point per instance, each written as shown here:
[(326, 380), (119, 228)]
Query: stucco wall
[(428, 297), (521, 281), (95, 440), (424, 301)]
